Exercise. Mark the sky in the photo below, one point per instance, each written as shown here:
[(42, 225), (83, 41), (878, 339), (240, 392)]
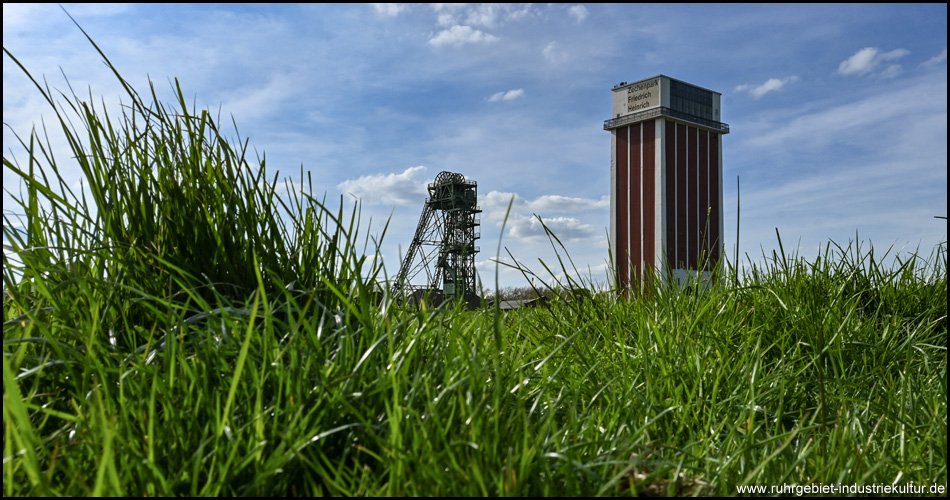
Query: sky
[(837, 113)]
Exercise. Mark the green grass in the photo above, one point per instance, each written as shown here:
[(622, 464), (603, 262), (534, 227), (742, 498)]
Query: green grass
[(184, 328)]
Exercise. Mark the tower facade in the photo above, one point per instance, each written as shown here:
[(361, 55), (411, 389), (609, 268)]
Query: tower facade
[(666, 215)]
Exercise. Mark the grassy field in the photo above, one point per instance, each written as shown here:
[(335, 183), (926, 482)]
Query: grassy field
[(186, 326)]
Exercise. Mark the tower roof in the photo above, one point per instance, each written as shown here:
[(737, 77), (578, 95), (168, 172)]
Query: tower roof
[(662, 96)]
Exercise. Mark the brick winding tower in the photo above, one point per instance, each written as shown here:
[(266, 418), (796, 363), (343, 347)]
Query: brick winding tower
[(666, 213)]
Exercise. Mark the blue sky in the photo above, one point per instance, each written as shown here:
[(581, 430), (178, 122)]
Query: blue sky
[(838, 113)]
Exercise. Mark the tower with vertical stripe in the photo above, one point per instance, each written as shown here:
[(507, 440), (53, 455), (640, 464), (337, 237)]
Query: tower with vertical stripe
[(666, 215)]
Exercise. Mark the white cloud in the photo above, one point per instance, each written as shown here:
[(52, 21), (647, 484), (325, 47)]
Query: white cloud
[(578, 12), (890, 71), (868, 59), (506, 96), (446, 19), (936, 60), (565, 228), (460, 35), (894, 54), (263, 100), (861, 62), (388, 189), (757, 91), (518, 14), (524, 225), (837, 124), (389, 9), (553, 54), (485, 14), (557, 203), (495, 203)]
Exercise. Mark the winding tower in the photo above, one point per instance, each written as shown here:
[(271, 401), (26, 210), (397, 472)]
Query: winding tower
[(666, 216), (443, 247)]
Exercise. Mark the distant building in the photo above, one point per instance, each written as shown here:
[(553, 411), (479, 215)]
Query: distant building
[(508, 305), (665, 179)]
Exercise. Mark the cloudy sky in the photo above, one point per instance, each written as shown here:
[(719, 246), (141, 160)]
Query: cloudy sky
[(838, 113)]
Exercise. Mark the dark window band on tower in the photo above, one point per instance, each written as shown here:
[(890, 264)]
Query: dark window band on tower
[(691, 100)]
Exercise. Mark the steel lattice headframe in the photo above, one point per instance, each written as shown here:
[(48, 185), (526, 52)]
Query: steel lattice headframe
[(443, 246)]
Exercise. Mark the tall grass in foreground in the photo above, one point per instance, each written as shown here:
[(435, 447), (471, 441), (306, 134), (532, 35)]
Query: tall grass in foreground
[(171, 214), (135, 367)]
